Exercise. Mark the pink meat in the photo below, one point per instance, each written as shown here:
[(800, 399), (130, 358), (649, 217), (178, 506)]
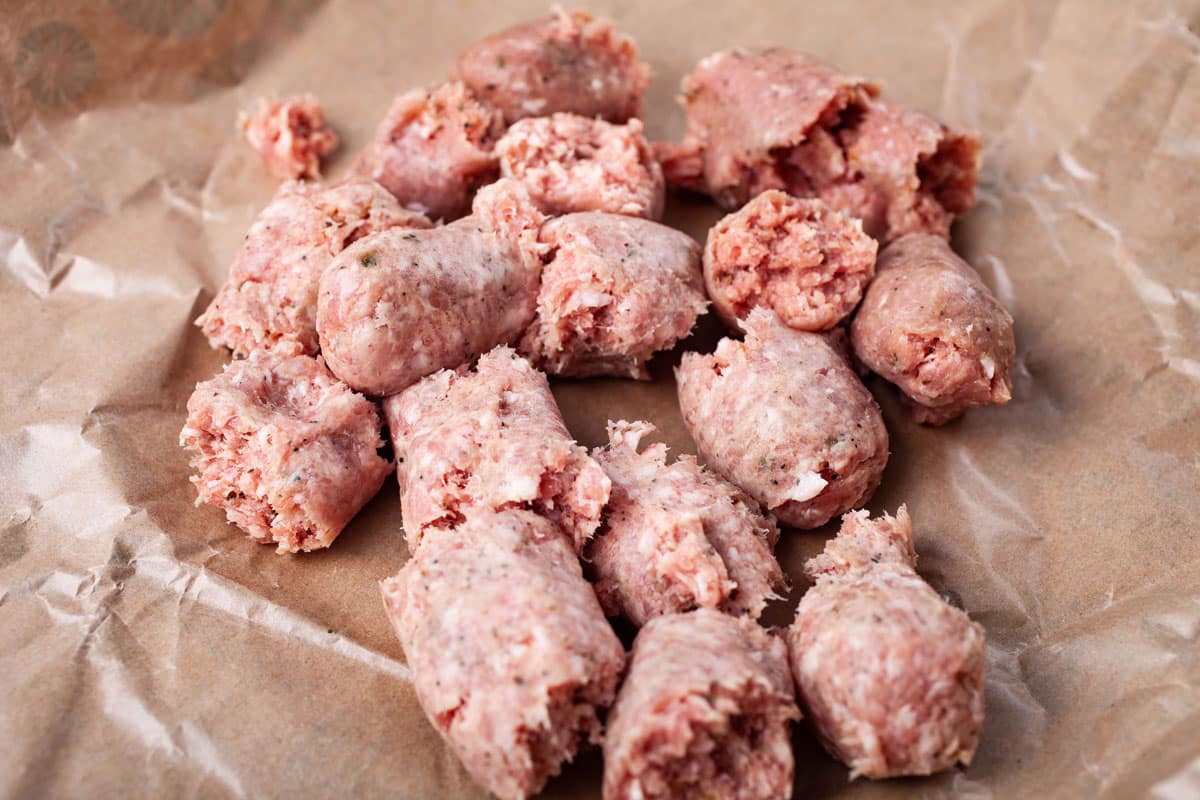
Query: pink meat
[(573, 163), (433, 150), (401, 305), (804, 261), (783, 120), (676, 537), (703, 714), (614, 291), (491, 439), (510, 653), (783, 416), (929, 325), (569, 62), (285, 449), (269, 300), (289, 136), (889, 673)]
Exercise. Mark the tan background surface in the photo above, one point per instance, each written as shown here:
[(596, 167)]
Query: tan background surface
[(147, 649)]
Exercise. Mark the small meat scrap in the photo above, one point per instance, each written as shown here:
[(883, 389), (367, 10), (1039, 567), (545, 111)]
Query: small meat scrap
[(783, 416), (676, 537), (511, 656), (704, 712), (573, 163), (801, 259), (570, 62), (890, 675), (287, 451), (783, 120), (403, 304), (615, 290), (490, 439), (931, 326), (289, 136), (433, 150), (269, 300)]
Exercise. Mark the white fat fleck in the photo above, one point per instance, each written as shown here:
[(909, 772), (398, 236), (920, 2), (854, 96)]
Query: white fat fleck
[(592, 299), (970, 327), (597, 84), (521, 486), (807, 486), (989, 366), (534, 106)]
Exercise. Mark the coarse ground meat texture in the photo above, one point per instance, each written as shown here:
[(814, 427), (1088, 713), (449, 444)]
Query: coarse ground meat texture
[(783, 416), (801, 259), (404, 304), (285, 449), (573, 163), (433, 150), (783, 120), (510, 654), (703, 713), (890, 675), (569, 62), (289, 136), (615, 290), (931, 326), (269, 300), (491, 439), (676, 537)]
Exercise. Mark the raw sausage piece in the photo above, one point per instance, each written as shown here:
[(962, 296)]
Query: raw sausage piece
[(491, 439), (783, 416), (433, 150), (269, 300), (510, 653), (703, 713), (289, 136), (401, 305), (569, 62), (783, 120), (573, 163), (799, 258), (615, 291), (889, 673), (288, 451), (931, 326), (676, 537)]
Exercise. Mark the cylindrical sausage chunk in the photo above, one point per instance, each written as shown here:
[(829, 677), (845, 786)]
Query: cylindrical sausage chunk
[(615, 291), (287, 451), (931, 326), (269, 300), (289, 136), (889, 673), (569, 62), (510, 653), (573, 163), (401, 305), (783, 120), (491, 439), (783, 416), (433, 150), (676, 537), (704, 712), (801, 259)]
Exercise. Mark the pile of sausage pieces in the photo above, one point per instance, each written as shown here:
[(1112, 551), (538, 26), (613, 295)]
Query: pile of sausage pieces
[(502, 227)]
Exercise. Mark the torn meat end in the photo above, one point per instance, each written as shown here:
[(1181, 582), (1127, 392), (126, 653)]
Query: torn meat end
[(683, 164), (863, 542), (289, 136)]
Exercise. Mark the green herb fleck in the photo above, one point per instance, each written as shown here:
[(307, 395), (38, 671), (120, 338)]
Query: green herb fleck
[(368, 260), (499, 62), (412, 237)]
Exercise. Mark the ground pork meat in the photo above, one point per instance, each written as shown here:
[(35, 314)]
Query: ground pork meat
[(676, 537), (285, 449), (931, 326), (491, 439), (704, 713), (573, 163), (783, 416), (510, 654), (569, 62), (890, 675), (289, 136)]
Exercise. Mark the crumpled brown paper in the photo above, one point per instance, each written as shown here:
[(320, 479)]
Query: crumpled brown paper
[(149, 649)]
